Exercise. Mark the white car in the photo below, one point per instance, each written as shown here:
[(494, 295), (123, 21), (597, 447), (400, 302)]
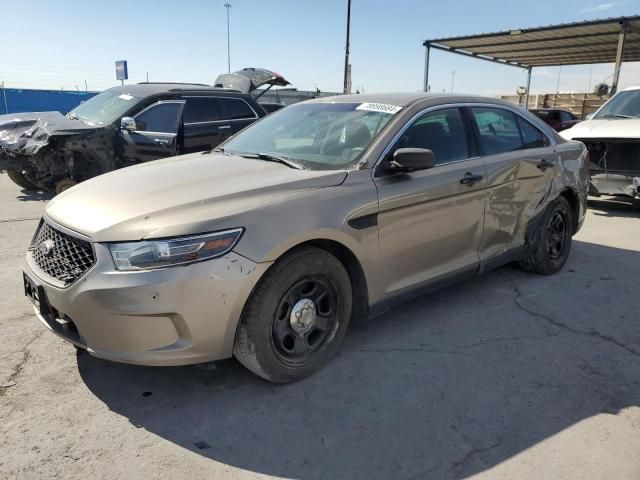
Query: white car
[(612, 137)]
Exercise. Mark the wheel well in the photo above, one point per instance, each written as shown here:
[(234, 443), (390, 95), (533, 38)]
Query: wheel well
[(574, 203), (360, 302)]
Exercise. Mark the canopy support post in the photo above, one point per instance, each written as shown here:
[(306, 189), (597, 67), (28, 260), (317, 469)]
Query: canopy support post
[(427, 51), (526, 96), (622, 37)]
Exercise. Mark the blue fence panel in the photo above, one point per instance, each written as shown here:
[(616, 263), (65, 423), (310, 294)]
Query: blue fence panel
[(15, 100)]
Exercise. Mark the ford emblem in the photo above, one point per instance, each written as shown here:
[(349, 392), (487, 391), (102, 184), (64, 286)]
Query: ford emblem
[(46, 247)]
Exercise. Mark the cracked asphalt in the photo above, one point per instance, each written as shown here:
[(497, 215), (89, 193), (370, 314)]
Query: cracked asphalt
[(510, 375)]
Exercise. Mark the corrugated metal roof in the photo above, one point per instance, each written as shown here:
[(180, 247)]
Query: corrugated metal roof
[(566, 44)]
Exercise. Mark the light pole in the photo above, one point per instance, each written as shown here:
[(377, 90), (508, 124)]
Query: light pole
[(453, 75), (228, 7)]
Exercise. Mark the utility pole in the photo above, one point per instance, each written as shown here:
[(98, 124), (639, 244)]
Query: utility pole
[(453, 75), (228, 7), (345, 88)]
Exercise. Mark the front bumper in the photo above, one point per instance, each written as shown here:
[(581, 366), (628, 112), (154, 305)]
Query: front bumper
[(172, 316)]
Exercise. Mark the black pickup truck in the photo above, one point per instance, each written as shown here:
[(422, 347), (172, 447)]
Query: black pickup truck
[(129, 124)]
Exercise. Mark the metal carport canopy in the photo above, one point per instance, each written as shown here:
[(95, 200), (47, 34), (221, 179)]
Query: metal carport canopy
[(612, 40)]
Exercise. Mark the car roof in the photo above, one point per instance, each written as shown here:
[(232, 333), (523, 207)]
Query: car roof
[(146, 89), (405, 99)]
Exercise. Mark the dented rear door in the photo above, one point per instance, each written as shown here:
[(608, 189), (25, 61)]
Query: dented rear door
[(520, 167)]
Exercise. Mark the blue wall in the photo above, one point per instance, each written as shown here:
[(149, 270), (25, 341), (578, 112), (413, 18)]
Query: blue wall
[(25, 100)]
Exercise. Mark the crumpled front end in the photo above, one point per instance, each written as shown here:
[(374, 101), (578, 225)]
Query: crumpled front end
[(46, 150), (615, 167)]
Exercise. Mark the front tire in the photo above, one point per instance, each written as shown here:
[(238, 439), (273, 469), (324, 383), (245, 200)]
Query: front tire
[(19, 179), (552, 241), (296, 318)]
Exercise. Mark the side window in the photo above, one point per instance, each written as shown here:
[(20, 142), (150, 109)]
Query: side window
[(235, 109), (566, 116), (201, 109), (442, 132), (532, 137), (498, 130), (163, 117)]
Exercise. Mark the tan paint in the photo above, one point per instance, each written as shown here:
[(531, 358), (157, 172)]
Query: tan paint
[(429, 227)]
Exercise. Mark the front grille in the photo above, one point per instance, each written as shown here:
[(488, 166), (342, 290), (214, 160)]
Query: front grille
[(61, 256)]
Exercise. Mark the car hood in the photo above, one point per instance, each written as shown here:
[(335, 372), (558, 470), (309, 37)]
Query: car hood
[(27, 133), (602, 129), (182, 195)]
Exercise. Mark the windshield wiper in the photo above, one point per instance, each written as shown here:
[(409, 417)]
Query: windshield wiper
[(72, 116), (269, 157), (616, 115)]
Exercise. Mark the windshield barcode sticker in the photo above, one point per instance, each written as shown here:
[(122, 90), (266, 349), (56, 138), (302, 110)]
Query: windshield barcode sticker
[(378, 107), (124, 96)]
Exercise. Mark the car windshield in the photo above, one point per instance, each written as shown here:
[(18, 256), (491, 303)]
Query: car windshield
[(622, 105), (318, 136), (104, 108)]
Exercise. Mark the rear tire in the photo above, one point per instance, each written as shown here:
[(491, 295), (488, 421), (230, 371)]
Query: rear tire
[(19, 179), (552, 241), (308, 284)]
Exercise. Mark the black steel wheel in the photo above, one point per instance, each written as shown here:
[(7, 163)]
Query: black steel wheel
[(556, 234), (552, 240), (305, 318), (297, 316)]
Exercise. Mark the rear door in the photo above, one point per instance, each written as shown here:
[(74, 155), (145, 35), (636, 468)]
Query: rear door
[(203, 128), (519, 165), (156, 132), (430, 221), (236, 114)]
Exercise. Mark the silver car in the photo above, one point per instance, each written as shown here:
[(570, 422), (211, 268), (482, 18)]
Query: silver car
[(330, 209)]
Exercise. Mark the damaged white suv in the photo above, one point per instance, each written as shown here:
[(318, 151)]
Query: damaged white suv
[(612, 137)]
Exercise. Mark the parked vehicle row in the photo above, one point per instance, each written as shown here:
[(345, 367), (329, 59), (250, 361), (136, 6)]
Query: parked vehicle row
[(127, 125), (556, 118), (265, 247)]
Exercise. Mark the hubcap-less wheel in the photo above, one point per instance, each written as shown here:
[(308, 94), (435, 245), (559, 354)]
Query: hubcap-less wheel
[(306, 317), (557, 234)]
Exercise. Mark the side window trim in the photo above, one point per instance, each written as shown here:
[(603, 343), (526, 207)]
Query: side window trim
[(519, 121), (519, 118), (148, 107), (186, 99), (255, 114), (222, 120), (394, 139), (473, 153)]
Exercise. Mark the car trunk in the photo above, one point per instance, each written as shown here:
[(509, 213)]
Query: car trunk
[(615, 166)]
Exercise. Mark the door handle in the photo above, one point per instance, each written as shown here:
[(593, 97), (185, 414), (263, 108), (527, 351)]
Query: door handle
[(469, 179), (224, 127), (544, 164), (161, 141)]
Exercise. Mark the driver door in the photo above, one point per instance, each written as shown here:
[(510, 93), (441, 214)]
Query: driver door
[(430, 221), (156, 134)]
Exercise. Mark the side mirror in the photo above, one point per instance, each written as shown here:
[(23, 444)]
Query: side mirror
[(412, 159), (128, 124)]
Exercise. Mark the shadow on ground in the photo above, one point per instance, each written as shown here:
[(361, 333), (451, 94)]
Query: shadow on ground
[(442, 387)]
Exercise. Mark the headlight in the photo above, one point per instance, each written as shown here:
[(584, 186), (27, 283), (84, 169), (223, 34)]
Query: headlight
[(150, 254)]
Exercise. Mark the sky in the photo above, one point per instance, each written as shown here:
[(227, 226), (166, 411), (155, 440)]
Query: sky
[(64, 44)]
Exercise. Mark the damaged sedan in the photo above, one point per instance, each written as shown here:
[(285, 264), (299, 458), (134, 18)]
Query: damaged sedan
[(612, 137), (127, 125), (329, 209)]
